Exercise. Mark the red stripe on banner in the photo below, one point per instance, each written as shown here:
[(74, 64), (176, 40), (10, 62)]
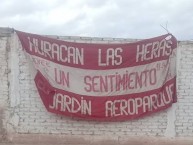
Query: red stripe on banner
[(107, 108), (99, 56)]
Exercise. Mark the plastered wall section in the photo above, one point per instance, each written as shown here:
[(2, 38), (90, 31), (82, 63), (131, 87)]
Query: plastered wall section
[(29, 116), (4, 47)]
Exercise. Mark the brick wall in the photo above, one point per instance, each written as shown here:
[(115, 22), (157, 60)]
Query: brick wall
[(27, 114), (184, 111), (33, 117)]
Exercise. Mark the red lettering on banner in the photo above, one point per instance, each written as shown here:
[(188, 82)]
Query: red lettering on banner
[(120, 82), (61, 77), (153, 50), (41, 62), (162, 65)]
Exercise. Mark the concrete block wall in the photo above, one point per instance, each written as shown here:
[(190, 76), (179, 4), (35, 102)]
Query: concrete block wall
[(184, 111), (27, 115)]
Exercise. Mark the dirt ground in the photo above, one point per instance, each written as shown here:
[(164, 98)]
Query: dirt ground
[(29, 139), (132, 142)]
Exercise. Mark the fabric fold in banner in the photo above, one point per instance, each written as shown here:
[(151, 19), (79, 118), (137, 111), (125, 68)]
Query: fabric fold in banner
[(104, 81)]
